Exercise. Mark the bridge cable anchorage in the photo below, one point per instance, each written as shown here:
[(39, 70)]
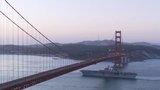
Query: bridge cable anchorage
[(51, 50), (62, 50)]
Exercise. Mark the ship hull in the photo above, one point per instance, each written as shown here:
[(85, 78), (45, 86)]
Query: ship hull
[(106, 74)]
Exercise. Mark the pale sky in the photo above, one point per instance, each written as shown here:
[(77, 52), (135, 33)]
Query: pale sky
[(68, 21)]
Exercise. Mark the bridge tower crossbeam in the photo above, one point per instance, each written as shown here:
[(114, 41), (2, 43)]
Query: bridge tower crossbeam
[(118, 49)]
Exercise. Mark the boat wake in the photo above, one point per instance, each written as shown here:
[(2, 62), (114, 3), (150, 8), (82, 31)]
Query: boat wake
[(148, 78)]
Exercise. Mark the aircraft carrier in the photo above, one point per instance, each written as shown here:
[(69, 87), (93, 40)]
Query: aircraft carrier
[(109, 73)]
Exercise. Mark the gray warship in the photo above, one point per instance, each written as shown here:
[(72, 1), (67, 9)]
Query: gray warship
[(109, 73)]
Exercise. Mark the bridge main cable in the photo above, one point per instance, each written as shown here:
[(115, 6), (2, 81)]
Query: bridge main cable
[(63, 51), (50, 49)]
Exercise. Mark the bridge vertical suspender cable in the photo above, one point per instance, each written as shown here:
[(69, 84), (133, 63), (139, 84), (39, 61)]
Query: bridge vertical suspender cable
[(36, 28), (51, 50), (25, 82)]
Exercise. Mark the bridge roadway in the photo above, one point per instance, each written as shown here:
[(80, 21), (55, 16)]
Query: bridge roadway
[(29, 81)]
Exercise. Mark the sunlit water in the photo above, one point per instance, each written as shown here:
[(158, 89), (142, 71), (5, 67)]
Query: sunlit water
[(148, 77)]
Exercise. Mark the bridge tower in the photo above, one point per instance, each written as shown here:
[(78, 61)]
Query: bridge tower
[(118, 49)]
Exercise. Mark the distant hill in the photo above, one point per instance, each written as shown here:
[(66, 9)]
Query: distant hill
[(111, 42), (87, 49), (98, 42), (147, 44), (142, 43)]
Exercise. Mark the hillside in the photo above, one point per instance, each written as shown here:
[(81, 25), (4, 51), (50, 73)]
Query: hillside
[(98, 42), (82, 51)]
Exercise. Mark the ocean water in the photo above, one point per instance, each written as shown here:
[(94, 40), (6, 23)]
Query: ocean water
[(148, 75), (148, 79)]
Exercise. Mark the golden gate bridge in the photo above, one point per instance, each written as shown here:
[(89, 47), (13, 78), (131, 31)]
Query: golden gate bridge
[(21, 32)]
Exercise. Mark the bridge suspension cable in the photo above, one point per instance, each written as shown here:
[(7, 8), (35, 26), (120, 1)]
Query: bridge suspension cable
[(62, 50), (44, 69), (51, 50)]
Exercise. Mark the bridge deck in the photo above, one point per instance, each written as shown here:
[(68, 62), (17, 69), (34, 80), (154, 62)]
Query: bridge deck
[(28, 81)]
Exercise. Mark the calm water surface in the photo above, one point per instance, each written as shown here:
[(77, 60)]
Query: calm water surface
[(148, 75)]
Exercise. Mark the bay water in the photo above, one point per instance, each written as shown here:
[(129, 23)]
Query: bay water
[(148, 74)]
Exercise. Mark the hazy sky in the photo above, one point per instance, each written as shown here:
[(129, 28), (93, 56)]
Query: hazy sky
[(77, 20)]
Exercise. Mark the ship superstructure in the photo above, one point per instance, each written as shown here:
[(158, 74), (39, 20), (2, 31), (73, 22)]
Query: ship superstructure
[(109, 73), (116, 70)]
